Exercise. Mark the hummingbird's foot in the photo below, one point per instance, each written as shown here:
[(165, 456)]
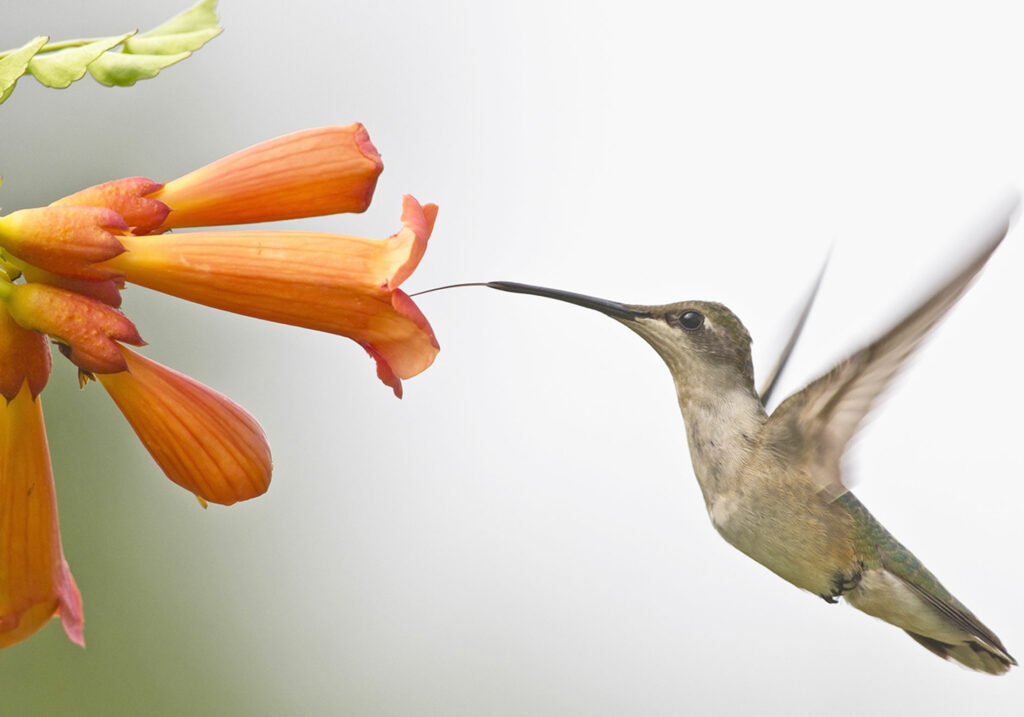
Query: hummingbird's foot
[(842, 583)]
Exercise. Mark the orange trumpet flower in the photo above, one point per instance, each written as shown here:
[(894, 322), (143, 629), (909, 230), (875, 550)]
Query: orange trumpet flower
[(201, 439), (330, 282)]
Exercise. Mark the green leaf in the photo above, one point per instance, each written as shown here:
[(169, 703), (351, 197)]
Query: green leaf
[(142, 56), (186, 32), (60, 69), (171, 44), (201, 16), (124, 70), (14, 64), (146, 54)]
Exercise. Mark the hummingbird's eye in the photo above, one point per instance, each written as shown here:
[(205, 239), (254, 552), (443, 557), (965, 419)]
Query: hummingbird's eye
[(691, 320)]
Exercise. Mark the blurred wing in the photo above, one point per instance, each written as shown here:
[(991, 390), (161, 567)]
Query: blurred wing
[(780, 365), (831, 409)]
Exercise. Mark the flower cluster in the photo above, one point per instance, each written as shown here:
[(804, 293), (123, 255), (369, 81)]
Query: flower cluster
[(62, 269)]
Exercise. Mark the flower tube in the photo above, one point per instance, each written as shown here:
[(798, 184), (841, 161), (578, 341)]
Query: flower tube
[(35, 582), (309, 173), (201, 439), (328, 282)]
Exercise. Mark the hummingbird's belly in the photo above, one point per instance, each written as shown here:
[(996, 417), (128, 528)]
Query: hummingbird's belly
[(806, 544)]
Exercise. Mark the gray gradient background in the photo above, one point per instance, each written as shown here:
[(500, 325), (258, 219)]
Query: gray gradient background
[(522, 534)]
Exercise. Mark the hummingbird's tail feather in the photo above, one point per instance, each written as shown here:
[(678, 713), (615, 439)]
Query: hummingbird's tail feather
[(940, 624), (974, 655), (908, 596), (897, 588), (983, 651)]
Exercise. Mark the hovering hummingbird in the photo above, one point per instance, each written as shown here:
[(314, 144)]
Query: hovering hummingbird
[(773, 484)]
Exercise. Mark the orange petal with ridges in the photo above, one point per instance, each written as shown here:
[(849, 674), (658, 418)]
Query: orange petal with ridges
[(328, 282), (35, 582), (318, 171), (411, 243), (201, 439)]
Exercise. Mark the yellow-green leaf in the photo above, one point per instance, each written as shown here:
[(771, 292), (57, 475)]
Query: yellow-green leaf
[(14, 64), (60, 69), (142, 56), (123, 69), (171, 44), (201, 16)]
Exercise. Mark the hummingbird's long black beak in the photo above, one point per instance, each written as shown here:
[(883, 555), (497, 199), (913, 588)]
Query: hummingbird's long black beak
[(609, 308)]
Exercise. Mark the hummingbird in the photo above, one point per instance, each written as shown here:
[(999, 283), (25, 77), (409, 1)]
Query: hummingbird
[(773, 484)]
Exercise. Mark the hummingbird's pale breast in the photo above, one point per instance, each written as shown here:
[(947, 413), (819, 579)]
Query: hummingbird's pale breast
[(762, 500)]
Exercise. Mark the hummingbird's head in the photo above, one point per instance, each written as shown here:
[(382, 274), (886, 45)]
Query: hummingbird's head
[(701, 342), (699, 339)]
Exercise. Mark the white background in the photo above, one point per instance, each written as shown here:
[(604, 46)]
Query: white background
[(522, 534)]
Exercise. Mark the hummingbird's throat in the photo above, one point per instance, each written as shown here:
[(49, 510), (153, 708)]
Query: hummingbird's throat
[(721, 431)]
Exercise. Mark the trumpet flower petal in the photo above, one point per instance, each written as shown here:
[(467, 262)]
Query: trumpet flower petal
[(328, 282), (201, 439), (318, 171), (35, 582)]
